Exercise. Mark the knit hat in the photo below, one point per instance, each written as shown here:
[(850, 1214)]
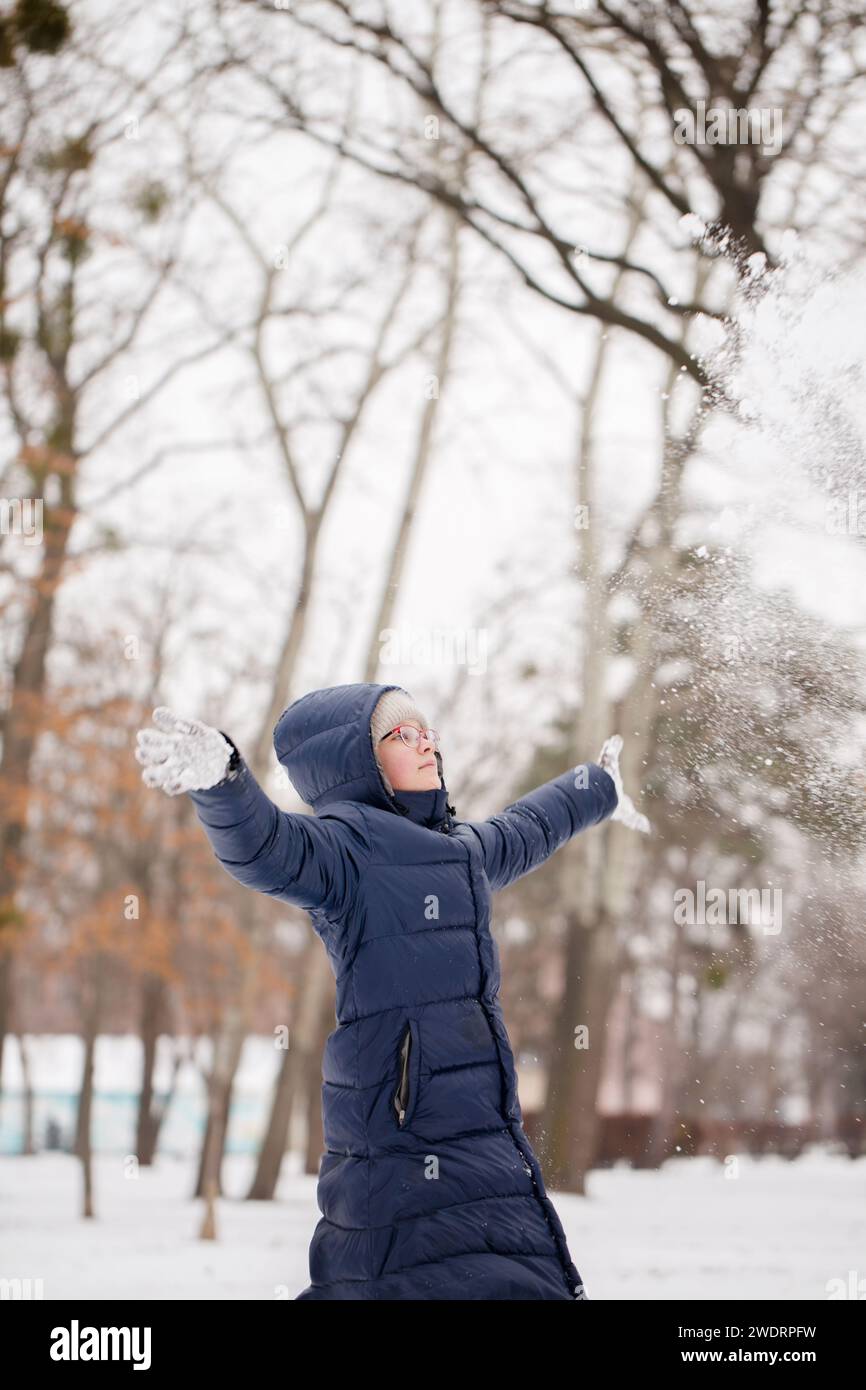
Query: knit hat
[(394, 707)]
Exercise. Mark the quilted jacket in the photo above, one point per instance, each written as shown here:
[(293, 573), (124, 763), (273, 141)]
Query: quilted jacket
[(428, 1187)]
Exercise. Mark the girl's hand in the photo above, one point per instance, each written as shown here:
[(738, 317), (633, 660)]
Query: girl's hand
[(181, 755), (625, 811)]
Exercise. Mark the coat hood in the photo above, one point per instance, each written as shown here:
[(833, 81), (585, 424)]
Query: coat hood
[(323, 741)]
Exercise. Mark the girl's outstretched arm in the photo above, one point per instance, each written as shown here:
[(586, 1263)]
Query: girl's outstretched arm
[(297, 858), (520, 838), (529, 830)]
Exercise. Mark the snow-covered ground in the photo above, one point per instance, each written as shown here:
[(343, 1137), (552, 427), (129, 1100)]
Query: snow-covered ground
[(776, 1230)]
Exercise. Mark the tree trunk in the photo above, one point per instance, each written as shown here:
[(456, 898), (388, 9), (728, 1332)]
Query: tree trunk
[(149, 1118), (27, 1138), (294, 1067), (83, 1138)]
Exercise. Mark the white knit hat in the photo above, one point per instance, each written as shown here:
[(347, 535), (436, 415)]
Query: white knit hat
[(394, 707)]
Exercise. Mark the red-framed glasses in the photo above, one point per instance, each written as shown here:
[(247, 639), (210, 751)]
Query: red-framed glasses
[(412, 736)]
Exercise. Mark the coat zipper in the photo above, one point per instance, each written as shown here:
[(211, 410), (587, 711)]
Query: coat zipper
[(401, 1099)]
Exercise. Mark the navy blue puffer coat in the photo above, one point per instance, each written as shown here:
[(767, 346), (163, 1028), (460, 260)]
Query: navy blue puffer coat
[(428, 1186)]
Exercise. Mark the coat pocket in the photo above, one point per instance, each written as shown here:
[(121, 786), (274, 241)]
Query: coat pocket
[(408, 1074)]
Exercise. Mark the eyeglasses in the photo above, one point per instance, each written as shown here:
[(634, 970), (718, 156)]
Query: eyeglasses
[(412, 736)]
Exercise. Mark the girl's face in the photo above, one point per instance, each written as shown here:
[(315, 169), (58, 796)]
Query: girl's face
[(409, 769)]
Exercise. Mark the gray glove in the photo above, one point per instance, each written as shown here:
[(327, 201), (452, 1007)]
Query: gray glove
[(181, 755), (625, 811)]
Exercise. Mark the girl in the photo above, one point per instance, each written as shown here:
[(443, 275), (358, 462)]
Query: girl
[(428, 1186)]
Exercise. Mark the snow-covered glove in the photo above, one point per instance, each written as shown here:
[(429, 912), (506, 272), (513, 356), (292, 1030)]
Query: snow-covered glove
[(181, 755), (625, 811)]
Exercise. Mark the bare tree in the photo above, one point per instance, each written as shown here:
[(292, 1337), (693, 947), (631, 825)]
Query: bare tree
[(60, 357), (316, 1018)]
